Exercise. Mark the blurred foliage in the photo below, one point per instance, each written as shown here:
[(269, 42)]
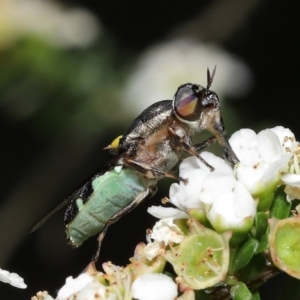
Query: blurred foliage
[(55, 88)]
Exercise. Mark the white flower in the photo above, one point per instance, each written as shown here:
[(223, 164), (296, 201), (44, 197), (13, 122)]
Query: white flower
[(154, 287), (286, 138), (266, 158), (230, 209), (114, 284), (262, 157), (225, 201), (166, 231), (167, 212), (192, 194), (163, 233), (74, 285), (291, 179), (83, 287), (291, 175), (13, 279), (162, 68)]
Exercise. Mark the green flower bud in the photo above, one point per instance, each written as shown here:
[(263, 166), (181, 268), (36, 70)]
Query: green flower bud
[(201, 260), (285, 244)]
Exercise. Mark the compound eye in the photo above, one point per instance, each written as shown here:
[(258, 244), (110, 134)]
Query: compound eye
[(187, 104)]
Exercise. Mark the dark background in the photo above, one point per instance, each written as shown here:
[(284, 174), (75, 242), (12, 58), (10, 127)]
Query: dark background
[(48, 154)]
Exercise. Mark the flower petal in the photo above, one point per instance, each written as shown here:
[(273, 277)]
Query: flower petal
[(166, 231), (13, 279), (161, 212), (74, 285), (269, 146), (291, 179), (286, 138), (154, 287)]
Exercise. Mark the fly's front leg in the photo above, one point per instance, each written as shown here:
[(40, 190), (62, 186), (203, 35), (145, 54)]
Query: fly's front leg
[(228, 153), (193, 150), (199, 147), (149, 171)]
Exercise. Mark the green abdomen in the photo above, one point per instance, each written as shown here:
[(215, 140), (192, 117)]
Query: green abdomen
[(112, 192)]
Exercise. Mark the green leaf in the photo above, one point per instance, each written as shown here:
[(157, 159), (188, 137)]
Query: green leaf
[(266, 197), (263, 243), (280, 208), (240, 292), (245, 253), (233, 252), (261, 224), (255, 295), (253, 269)]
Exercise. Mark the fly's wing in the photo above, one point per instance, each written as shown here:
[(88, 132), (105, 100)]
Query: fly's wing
[(83, 190), (51, 213)]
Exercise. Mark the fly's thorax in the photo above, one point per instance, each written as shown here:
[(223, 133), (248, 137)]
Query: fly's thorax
[(161, 156), (148, 140), (157, 149), (147, 123)]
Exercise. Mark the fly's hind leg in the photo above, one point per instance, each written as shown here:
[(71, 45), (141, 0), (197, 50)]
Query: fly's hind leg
[(148, 193), (149, 171), (100, 239)]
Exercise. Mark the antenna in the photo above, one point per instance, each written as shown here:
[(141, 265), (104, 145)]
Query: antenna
[(210, 78)]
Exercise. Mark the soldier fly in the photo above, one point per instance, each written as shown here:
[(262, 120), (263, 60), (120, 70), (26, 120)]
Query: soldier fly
[(149, 150)]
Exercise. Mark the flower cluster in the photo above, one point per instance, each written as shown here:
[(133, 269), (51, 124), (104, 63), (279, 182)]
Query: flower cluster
[(141, 279), (245, 203), (229, 229)]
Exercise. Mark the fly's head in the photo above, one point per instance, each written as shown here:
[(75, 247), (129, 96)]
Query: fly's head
[(197, 106)]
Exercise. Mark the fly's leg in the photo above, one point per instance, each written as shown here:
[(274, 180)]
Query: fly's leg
[(150, 172), (218, 129), (147, 194), (183, 146), (100, 239), (199, 147), (112, 220), (192, 151)]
